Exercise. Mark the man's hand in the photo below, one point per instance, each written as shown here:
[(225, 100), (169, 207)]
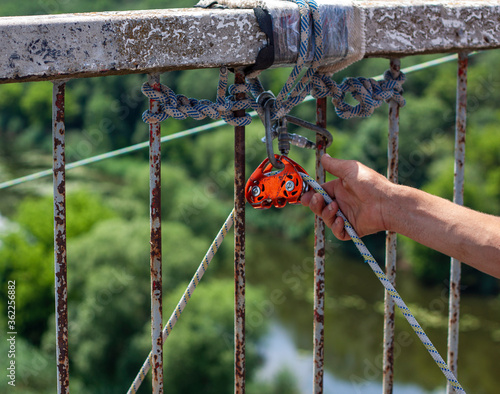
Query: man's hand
[(371, 203), (361, 194)]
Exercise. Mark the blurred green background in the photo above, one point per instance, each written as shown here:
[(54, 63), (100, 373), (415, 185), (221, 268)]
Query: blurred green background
[(108, 230)]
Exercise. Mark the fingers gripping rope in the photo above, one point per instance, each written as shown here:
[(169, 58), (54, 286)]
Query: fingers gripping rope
[(185, 298), (367, 256)]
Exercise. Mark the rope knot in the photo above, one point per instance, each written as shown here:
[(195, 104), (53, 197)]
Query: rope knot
[(323, 86), (395, 85), (180, 106), (360, 90), (368, 92)]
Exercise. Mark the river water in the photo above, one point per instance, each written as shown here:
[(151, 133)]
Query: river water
[(354, 324)]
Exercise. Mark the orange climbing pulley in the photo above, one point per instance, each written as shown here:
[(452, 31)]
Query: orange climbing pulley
[(266, 187)]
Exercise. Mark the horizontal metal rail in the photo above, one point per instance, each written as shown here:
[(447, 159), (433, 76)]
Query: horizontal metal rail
[(110, 43)]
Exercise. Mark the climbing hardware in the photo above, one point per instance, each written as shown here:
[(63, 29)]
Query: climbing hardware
[(266, 188), (278, 180)]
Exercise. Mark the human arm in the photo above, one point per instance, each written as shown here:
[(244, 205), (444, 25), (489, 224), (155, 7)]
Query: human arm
[(371, 203)]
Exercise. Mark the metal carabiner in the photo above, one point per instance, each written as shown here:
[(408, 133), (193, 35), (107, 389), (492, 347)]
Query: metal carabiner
[(311, 126), (267, 100), (279, 130)]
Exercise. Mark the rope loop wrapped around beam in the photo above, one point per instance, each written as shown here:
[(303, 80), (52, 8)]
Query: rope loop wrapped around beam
[(369, 93)]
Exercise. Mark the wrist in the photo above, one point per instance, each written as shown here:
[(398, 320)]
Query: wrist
[(394, 207)]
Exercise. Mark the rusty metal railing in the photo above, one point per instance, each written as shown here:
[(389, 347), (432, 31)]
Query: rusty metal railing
[(319, 262), (60, 267), (233, 49), (156, 293), (391, 241), (239, 249), (155, 242), (458, 198)]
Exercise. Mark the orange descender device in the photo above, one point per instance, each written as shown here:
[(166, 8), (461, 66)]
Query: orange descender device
[(265, 187)]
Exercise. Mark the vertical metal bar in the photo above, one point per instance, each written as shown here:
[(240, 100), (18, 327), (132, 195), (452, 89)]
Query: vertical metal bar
[(391, 241), (239, 248), (458, 198), (319, 261), (60, 261), (155, 259)]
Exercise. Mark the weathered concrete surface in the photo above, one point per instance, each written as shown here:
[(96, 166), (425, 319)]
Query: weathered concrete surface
[(81, 45), (398, 28), (47, 47)]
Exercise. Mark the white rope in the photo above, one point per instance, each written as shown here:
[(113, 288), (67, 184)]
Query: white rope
[(367, 256), (185, 298)]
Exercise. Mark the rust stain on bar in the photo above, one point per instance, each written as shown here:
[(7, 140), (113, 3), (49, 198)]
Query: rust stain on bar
[(319, 261), (458, 198), (60, 258), (391, 241), (156, 257), (239, 248)]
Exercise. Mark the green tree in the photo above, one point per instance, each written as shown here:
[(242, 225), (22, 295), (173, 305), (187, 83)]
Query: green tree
[(26, 255)]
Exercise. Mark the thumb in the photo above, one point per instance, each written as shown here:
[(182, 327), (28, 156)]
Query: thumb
[(334, 166)]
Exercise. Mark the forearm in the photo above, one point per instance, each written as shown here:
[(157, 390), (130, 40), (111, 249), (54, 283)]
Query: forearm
[(469, 236)]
